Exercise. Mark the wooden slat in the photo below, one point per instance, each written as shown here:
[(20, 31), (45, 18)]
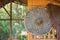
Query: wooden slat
[(29, 36), (44, 37), (49, 36), (53, 33)]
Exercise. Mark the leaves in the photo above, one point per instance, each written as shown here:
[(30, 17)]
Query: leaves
[(18, 11)]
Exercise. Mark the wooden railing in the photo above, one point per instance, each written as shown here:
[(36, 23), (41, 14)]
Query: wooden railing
[(48, 36)]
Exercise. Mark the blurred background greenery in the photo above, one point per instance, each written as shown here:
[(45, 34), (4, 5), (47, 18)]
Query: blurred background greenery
[(18, 29)]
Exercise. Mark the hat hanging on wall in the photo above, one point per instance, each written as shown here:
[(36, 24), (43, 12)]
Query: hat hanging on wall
[(37, 21)]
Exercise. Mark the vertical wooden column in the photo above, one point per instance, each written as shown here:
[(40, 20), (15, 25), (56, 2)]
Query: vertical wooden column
[(10, 19)]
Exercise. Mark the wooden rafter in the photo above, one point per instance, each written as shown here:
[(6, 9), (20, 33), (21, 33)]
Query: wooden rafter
[(6, 11)]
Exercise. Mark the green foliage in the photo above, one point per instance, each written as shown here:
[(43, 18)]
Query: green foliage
[(18, 11), (3, 14), (4, 29), (21, 37)]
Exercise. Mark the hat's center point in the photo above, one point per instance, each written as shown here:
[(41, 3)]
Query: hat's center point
[(39, 21)]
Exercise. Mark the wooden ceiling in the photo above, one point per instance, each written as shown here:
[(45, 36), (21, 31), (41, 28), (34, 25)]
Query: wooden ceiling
[(42, 3), (25, 2), (4, 2)]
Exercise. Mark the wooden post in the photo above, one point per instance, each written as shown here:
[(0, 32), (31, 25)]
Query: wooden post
[(10, 19)]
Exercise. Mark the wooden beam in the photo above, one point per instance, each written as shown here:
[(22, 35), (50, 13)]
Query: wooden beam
[(12, 19), (6, 10)]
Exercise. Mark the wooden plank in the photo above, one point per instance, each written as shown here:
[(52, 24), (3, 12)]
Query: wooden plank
[(34, 3)]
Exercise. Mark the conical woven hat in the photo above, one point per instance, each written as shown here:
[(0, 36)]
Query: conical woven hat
[(37, 21)]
